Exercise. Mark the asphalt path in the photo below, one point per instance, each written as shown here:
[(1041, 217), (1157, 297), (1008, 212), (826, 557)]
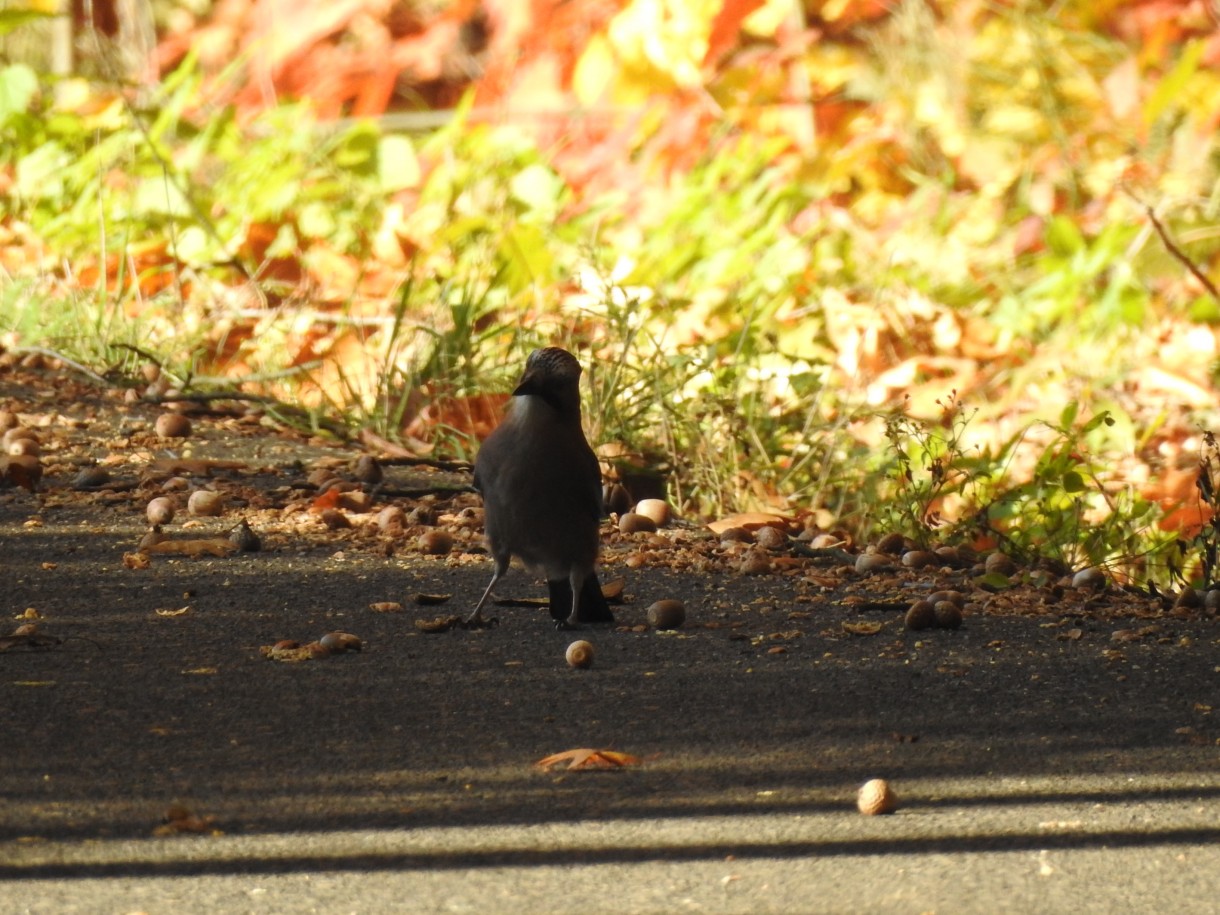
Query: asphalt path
[(1042, 763)]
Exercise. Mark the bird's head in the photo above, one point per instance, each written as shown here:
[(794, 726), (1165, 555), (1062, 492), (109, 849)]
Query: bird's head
[(553, 375)]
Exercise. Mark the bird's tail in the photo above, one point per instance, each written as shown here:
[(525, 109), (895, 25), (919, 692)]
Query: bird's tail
[(593, 605)]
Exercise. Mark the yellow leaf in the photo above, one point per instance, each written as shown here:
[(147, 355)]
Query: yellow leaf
[(594, 73)]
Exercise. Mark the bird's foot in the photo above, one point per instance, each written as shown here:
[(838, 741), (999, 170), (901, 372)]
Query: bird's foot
[(479, 622)]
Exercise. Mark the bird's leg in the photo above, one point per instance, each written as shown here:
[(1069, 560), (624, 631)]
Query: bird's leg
[(476, 618), (576, 579)]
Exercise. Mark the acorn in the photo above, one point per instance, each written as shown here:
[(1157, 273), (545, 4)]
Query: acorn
[(956, 597), (667, 614), (205, 502), (425, 515), (892, 544), (922, 615), (736, 535), (867, 563), (999, 564), (918, 559), (391, 519), (876, 797), (27, 446), (91, 478), (656, 510), (435, 542), (771, 538), (1089, 580), (16, 434), (172, 425), (334, 519), (340, 642), (160, 510), (580, 655), (755, 562), (320, 476), (948, 615), (367, 469), (633, 523)]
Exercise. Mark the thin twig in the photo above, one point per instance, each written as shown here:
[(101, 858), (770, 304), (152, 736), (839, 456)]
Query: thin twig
[(60, 357), (1180, 255)]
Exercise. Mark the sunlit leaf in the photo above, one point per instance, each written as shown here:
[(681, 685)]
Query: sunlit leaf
[(594, 72), (397, 164), (1169, 89), (18, 85)]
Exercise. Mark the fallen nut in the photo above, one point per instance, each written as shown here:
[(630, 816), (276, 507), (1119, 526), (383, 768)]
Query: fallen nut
[(656, 510), (1000, 564), (206, 502), (435, 542), (876, 797), (948, 615), (160, 510), (172, 425), (1089, 579), (667, 614), (771, 538), (632, 523), (580, 654), (922, 615)]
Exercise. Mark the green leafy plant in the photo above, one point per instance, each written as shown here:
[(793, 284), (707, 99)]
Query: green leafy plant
[(929, 462), (1068, 510)]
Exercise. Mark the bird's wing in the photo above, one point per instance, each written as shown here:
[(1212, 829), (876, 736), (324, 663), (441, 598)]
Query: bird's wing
[(593, 501)]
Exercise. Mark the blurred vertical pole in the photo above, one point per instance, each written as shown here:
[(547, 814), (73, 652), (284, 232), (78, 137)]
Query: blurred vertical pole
[(804, 123), (137, 40), (61, 40)]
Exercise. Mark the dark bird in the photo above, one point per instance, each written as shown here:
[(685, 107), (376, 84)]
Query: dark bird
[(542, 491)]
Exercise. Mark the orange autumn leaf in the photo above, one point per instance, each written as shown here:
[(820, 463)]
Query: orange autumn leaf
[(586, 758), (331, 499), (216, 546)]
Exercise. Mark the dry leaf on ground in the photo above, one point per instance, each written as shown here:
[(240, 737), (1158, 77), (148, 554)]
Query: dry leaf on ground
[(586, 758)]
